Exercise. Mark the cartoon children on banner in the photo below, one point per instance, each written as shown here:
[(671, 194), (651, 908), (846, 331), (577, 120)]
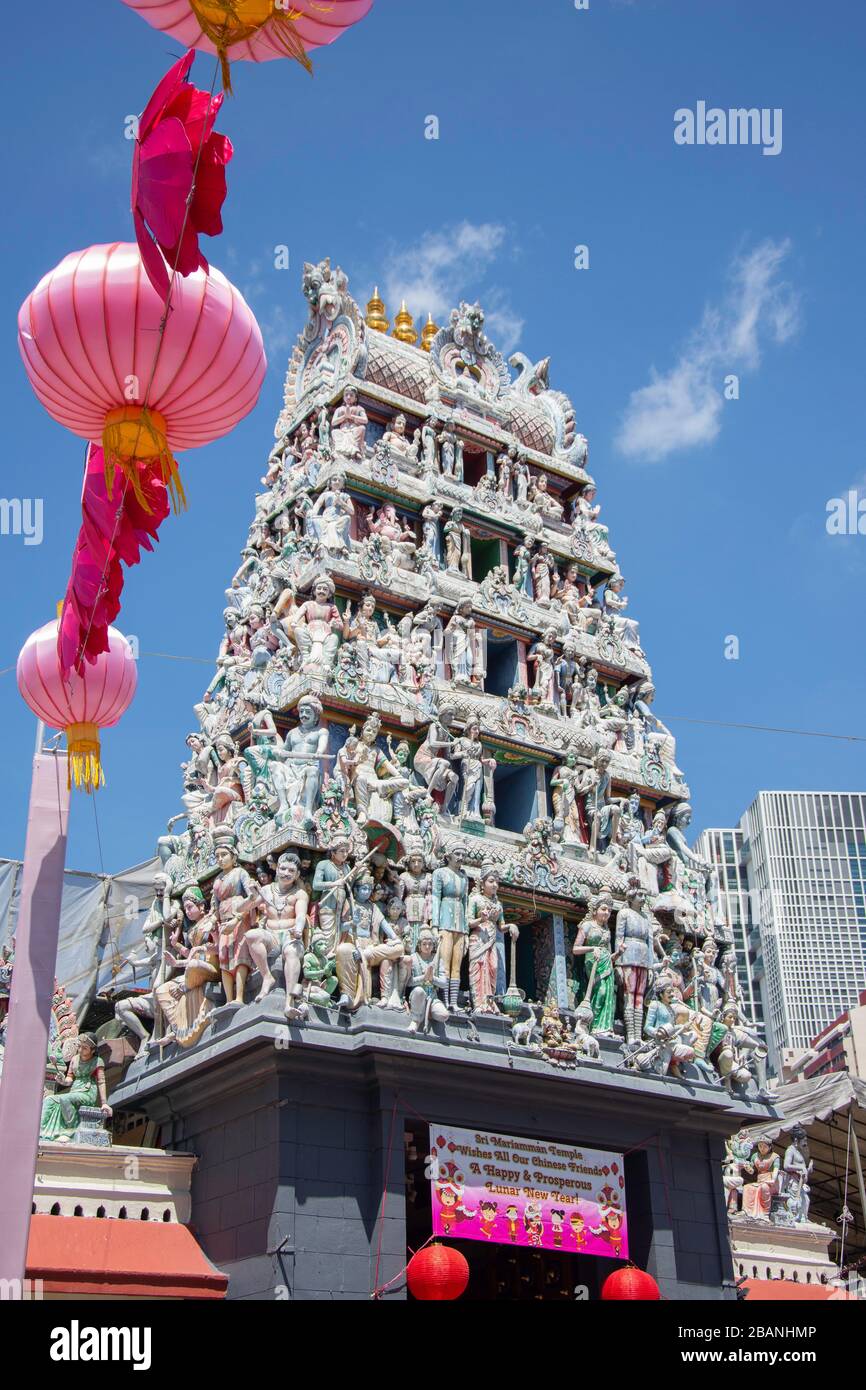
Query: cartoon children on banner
[(487, 1219), (482, 1189), (577, 1222), (557, 1220)]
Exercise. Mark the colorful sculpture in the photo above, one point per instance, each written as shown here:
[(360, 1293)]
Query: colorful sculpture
[(450, 895), (82, 1085), (372, 694), (635, 960), (758, 1194), (594, 944)]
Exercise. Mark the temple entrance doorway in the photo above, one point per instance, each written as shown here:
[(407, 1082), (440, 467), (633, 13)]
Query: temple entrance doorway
[(497, 1271)]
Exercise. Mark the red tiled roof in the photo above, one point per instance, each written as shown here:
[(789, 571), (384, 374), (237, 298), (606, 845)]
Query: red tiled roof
[(787, 1291), (105, 1257)]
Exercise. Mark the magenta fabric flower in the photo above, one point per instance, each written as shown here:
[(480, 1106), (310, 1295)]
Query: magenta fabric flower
[(114, 531), (176, 146)]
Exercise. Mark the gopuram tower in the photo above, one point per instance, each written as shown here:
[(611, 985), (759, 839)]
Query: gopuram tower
[(433, 870)]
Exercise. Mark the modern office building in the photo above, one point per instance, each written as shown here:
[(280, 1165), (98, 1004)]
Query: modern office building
[(841, 1046), (802, 858)]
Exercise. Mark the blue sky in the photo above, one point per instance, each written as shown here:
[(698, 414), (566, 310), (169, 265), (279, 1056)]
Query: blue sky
[(556, 129)]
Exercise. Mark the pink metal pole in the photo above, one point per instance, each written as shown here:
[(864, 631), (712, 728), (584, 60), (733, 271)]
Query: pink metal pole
[(29, 1018)]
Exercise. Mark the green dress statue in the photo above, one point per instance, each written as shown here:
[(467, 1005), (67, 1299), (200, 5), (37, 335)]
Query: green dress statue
[(602, 998), (60, 1111)]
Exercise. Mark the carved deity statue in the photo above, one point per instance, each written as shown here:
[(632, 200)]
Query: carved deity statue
[(602, 812), (450, 897), (235, 899), (367, 940), (304, 757), (349, 427), (476, 773), (567, 786), (635, 960), (425, 1007), (317, 626), (433, 759), (460, 644), (373, 777), (415, 889), (593, 943), (429, 444), (544, 573), (431, 519), (759, 1193), (378, 648), (458, 547), (331, 516), (82, 1085), (396, 437), (796, 1170)]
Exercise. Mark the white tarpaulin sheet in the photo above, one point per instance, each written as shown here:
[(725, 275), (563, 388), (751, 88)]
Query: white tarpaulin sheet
[(100, 924)]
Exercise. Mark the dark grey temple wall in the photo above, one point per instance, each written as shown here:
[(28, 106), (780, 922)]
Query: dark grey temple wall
[(299, 1191), (287, 1193)]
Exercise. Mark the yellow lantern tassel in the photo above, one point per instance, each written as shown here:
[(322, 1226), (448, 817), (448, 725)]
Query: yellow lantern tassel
[(133, 435), (229, 22), (82, 757)]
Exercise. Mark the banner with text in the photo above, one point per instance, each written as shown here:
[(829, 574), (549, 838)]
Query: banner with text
[(514, 1191)]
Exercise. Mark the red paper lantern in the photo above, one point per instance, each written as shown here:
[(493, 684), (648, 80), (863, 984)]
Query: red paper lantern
[(437, 1272), (630, 1285)]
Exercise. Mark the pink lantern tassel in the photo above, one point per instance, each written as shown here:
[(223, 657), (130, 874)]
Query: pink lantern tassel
[(113, 533)]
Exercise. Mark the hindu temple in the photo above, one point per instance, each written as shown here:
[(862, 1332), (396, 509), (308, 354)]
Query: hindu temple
[(429, 953)]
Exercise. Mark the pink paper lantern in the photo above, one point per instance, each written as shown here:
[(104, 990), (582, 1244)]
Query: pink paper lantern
[(267, 30), (80, 704), (89, 334)]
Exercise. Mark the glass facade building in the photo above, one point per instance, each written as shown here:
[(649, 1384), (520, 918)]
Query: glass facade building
[(802, 859)]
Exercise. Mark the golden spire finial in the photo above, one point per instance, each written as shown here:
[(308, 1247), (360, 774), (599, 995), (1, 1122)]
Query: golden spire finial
[(375, 316), (428, 333), (404, 326)]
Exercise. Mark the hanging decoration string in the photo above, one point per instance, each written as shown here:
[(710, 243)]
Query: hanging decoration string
[(229, 22), (149, 421), (135, 435)]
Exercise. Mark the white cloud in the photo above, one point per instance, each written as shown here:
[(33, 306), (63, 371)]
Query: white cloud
[(277, 332), (445, 266), (682, 408), (258, 287)]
